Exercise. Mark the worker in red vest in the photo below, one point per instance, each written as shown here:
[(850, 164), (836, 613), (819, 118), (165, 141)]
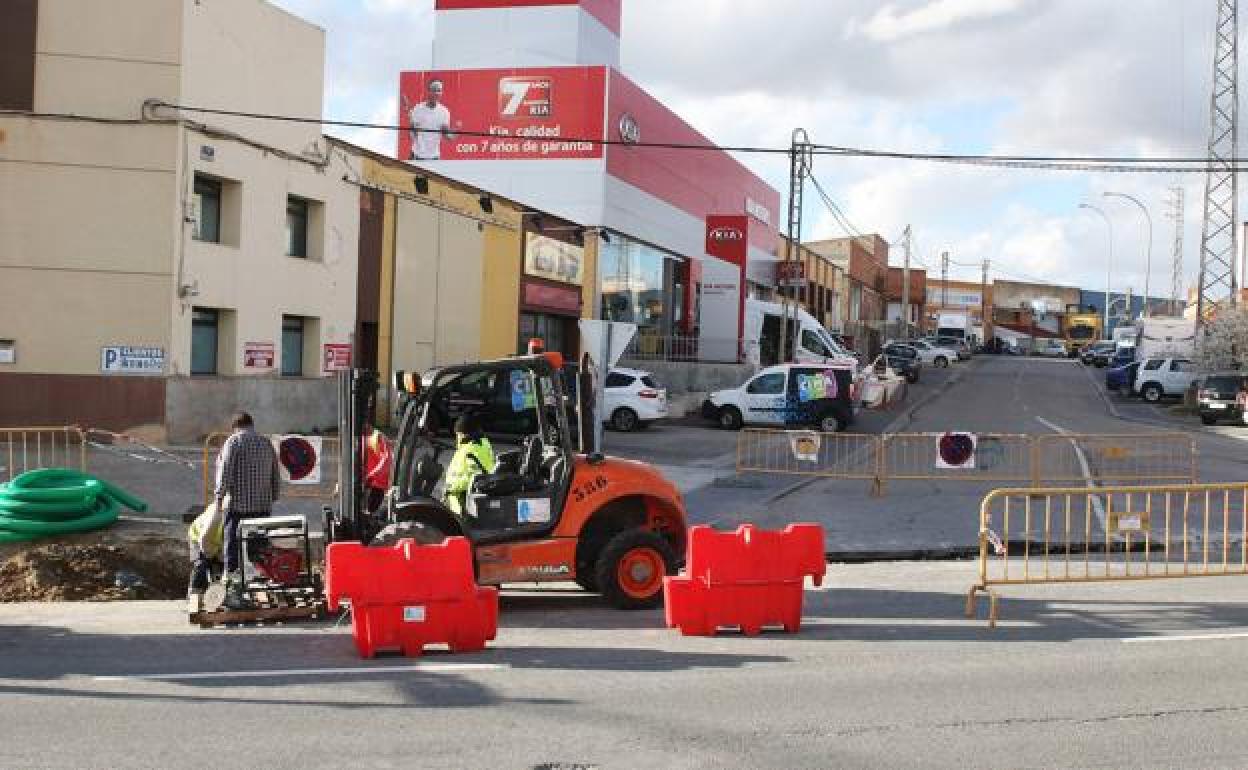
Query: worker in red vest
[(377, 460)]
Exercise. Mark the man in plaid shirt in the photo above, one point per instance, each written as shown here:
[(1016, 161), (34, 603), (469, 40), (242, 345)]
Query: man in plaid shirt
[(248, 483)]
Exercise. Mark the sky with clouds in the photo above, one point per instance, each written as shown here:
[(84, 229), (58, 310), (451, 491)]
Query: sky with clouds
[(1051, 77)]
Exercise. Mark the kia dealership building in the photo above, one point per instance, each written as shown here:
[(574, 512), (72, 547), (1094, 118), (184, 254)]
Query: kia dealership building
[(520, 99)]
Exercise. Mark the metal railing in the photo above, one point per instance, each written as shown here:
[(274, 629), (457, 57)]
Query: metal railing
[(998, 458), (1082, 535), (684, 347), (328, 459), (1129, 458), (28, 449), (808, 453)]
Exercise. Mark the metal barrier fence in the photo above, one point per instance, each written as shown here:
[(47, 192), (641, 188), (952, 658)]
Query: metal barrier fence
[(808, 453), (1128, 458), (327, 465), (28, 449), (685, 347), (1084, 535), (1033, 460), (913, 456)]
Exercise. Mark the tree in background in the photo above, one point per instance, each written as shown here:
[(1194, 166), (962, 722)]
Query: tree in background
[(1224, 345)]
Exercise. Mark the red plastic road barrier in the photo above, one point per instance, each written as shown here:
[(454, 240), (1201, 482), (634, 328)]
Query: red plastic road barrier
[(406, 596), (746, 579)]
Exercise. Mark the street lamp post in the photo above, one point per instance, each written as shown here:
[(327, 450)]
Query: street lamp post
[(1109, 268), (1148, 259)]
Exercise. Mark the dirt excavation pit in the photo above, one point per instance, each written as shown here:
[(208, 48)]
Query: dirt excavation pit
[(151, 567)]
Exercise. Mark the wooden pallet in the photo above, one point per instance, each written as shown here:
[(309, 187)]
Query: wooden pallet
[(271, 607)]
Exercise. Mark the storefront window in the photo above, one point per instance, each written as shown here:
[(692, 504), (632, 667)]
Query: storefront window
[(555, 332), (638, 285)]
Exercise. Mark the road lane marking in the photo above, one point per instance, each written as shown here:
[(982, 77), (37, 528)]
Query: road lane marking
[(419, 667), (1097, 506), (1186, 638)]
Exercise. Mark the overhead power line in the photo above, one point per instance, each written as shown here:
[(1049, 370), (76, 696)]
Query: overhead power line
[(1107, 164)]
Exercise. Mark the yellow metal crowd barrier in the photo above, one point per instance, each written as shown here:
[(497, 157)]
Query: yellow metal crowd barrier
[(28, 449), (808, 453), (1127, 458), (1090, 534), (998, 458), (327, 468)]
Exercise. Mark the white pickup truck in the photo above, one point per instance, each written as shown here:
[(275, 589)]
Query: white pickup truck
[(1160, 377)]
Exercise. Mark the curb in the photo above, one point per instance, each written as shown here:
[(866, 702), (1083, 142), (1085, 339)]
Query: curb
[(903, 419), (949, 553)]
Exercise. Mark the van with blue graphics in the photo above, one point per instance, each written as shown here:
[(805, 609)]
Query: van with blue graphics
[(821, 396)]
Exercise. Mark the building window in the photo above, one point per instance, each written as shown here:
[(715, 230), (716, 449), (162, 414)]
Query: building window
[(205, 340), (292, 346), (207, 209), (555, 332), (638, 285), (18, 30), (296, 227)]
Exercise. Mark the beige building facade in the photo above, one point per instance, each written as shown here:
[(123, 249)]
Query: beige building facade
[(161, 268)]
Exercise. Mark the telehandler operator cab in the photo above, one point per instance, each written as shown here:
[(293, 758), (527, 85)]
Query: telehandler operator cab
[(518, 405), (546, 511)]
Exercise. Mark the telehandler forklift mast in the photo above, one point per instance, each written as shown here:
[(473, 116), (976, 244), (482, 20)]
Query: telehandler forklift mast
[(357, 402)]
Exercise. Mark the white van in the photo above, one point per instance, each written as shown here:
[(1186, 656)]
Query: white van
[(790, 395), (815, 345)]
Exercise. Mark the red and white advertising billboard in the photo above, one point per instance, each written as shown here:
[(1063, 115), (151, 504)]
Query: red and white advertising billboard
[(502, 114), (728, 238)]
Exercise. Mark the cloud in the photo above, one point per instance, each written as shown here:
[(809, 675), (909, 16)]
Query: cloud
[(1019, 76), (888, 25)]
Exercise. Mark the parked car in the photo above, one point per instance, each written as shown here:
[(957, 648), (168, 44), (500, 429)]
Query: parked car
[(958, 346), (1122, 378), (632, 399), (817, 395), (929, 353), (1219, 397), (1098, 354), (1122, 356), (1161, 377), (1051, 349), (904, 360)]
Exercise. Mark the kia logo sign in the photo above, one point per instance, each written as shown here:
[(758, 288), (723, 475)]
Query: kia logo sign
[(727, 234), (629, 130)]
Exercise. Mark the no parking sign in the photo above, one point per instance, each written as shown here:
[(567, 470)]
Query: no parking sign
[(956, 451), (299, 458)]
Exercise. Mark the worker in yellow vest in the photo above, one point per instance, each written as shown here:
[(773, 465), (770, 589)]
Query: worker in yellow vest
[(473, 456)]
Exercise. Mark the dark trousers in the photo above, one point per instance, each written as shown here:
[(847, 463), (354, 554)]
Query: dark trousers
[(233, 544), (201, 569)]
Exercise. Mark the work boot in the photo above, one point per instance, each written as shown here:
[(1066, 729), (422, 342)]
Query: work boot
[(234, 598)]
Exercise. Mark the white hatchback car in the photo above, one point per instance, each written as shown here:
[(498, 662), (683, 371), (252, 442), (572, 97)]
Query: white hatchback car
[(633, 400), (930, 354)]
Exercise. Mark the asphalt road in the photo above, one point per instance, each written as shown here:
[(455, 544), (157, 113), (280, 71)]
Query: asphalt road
[(885, 673), (994, 395)]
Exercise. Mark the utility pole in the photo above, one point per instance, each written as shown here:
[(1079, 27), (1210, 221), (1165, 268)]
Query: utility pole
[(905, 289), (1176, 267), (1219, 232), (984, 321), (800, 156), (944, 279)]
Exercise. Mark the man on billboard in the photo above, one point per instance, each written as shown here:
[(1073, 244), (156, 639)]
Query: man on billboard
[(428, 122)]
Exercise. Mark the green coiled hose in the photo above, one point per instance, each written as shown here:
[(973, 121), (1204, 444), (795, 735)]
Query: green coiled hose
[(59, 501)]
